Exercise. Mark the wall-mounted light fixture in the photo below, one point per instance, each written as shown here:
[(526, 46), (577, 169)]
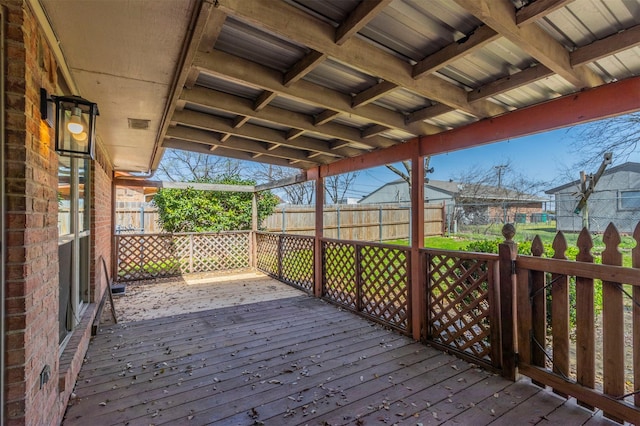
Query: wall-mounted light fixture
[(74, 123)]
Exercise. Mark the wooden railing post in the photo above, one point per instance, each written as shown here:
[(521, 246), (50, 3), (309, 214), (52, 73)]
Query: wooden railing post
[(508, 252), (319, 232)]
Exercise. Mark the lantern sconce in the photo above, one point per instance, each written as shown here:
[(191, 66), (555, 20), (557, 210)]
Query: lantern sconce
[(74, 120)]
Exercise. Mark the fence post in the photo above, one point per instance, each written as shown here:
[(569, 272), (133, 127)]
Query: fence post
[(380, 222), (508, 252)]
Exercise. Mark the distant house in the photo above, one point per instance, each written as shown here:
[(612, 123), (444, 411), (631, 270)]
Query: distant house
[(616, 199), (466, 203)]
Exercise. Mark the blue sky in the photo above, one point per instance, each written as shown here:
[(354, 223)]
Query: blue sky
[(543, 157)]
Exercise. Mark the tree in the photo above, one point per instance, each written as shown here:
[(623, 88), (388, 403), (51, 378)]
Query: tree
[(185, 166), (336, 187), (619, 135), (406, 173), (191, 210)]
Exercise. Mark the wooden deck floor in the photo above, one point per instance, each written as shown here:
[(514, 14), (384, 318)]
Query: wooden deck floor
[(292, 361)]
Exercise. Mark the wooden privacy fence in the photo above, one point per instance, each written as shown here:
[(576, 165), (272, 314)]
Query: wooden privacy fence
[(146, 256), (362, 222)]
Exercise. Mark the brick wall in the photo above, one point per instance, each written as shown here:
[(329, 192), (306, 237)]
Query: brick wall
[(31, 170), (32, 256)]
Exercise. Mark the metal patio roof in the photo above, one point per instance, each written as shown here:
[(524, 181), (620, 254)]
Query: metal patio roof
[(303, 83)]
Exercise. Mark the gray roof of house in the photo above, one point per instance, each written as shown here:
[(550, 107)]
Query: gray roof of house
[(625, 167)]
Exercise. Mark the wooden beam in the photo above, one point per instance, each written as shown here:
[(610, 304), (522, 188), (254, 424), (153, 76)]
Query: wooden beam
[(454, 51), (241, 144), (417, 242), (374, 130), (211, 31), (230, 153), (318, 260), (373, 93), (148, 183), (428, 112), (510, 82), (359, 54), (205, 13), (245, 72), (500, 15), (358, 18), (293, 133), (224, 137), (303, 67), (325, 117), (291, 180), (251, 131), (239, 121), (577, 108), (192, 77), (241, 106), (337, 144), (263, 100), (608, 46), (538, 10)]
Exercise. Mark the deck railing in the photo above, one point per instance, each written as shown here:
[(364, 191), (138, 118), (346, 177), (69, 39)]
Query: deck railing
[(147, 256), (571, 325), (578, 324), (461, 301)]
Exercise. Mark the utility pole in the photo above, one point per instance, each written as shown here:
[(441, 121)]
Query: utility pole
[(586, 189), (500, 170)]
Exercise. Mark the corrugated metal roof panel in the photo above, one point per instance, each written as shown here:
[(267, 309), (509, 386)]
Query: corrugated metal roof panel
[(620, 66), (208, 110), (451, 119), (250, 43), (268, 124), (329, 10), (295, 106), (416, 29), (398, 135), (584, 21), (403, 100), (336, 76), (352, 121), (226, 86)]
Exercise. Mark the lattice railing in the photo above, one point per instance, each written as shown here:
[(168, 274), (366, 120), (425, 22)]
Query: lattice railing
[(296, 266), (267, 257), (288, 258), (460, 290), (372, 279), (147, 256)]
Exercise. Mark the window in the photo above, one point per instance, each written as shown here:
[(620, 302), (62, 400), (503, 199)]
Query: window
[(629, 200), (73, 242)]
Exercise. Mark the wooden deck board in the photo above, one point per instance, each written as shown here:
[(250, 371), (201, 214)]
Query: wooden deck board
[(292, 361)]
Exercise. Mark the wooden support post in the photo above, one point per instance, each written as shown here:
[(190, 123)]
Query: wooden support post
[(253, 252), (317, 260), (417, 242), (508, 251)]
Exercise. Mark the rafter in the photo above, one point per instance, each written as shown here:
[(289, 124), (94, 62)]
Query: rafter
[(263, 100), (454, 51), (510, 82), (318, 35), (211, 30), (428, 112), (240, 106), (294, 133), (373, 93), (608, 46), (303, 67), (250, 131), (500, 15), (325, 116), (240, 144), (359, 18), (538, 9), (240, 121), (374, 130), (231, 153), (236, 69)]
